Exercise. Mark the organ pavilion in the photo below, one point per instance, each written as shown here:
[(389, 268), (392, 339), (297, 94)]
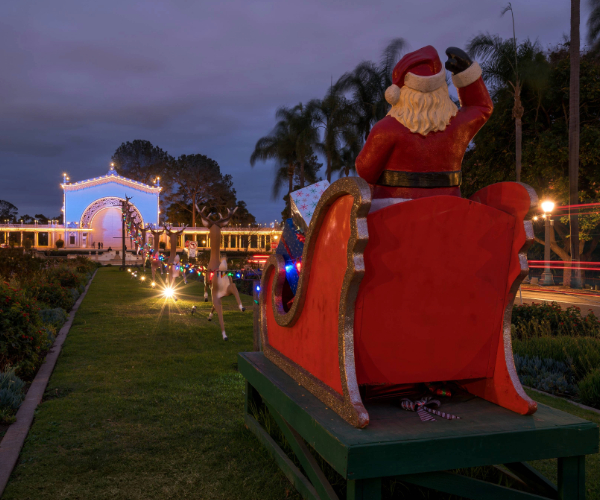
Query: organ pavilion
[(92, 208), (92, 215)]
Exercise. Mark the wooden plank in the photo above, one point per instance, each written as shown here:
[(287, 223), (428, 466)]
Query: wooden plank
[(305, 457), (364, 489), (571, 478), (396, 442), (533, 479), (292, 472), (466, 487), (388, 459), (390, 423), (298, 414)]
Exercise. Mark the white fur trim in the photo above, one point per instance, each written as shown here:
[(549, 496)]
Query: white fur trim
[(392, 94), (467, 77), (425, 83)]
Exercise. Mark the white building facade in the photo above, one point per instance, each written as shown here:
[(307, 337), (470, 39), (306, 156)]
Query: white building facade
[(93, 216), (92, 209)]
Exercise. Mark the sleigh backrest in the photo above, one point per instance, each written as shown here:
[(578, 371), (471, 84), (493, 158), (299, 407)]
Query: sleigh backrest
[(432, 303)]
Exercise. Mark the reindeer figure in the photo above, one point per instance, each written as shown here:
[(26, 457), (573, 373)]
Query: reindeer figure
[(139, 230), (222, 285), (173, 272), (145, 251), (155, 260)]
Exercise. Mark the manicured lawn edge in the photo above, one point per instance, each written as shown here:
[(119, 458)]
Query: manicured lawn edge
[(588, 408), (13, 440)]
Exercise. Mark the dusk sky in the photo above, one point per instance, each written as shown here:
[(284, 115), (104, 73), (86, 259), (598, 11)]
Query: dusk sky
[(78, 78)]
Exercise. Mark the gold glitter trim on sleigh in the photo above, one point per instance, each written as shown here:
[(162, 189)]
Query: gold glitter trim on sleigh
[(349, 406)]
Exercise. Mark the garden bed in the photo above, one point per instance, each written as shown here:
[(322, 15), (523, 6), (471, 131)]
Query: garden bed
[(558, 351), (35, 297)]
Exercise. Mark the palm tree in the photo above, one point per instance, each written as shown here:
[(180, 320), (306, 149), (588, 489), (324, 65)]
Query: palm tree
[(593, 23), (279, 145), (574, 132), (307, 135), (504, 65), (290, 143), (334, 117), (367, 84)]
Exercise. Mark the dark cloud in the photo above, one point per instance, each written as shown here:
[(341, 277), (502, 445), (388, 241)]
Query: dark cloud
[(79, 78)]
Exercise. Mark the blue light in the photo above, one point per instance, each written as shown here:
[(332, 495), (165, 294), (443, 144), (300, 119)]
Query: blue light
[(257, 288), (289, 267), (237, 275)]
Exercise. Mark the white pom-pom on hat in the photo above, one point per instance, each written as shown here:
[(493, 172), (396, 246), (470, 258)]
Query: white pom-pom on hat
[(392, 94)]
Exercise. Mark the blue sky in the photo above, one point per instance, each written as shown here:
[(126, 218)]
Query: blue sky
[(79, 78)]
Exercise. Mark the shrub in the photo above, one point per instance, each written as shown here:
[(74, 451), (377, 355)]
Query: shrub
[(59, 243), (27, 244), (74, 293), (538, 320), (51, 294), (589, 389), (583, 353), (21, 334), (50, 332), (548, 375), (53, 317), (84, 265), (14, 263), (12, 394), (66, 276)]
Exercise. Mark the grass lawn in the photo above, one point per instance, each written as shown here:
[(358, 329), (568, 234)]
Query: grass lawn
[(146, 402)]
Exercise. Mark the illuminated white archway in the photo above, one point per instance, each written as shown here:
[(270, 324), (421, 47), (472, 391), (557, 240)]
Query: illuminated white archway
[(104, 218), (103, 203)]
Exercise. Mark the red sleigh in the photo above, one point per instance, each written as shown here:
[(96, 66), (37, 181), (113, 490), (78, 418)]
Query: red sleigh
[(420, 291)]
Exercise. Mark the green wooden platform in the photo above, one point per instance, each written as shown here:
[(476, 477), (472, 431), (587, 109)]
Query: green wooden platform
[(397, 443)]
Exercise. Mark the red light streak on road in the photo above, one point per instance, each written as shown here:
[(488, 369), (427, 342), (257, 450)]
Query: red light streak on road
[(563, 263), (574, 268)]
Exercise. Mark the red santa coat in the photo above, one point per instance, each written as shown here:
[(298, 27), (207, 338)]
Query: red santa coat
[(392, 146)]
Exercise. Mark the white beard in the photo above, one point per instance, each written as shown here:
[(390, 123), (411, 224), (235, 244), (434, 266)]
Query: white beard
[(424, 112)]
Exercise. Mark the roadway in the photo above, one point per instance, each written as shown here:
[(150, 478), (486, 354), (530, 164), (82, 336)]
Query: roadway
[(564, 297)]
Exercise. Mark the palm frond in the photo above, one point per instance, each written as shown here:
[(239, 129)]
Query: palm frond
[(593, 22)]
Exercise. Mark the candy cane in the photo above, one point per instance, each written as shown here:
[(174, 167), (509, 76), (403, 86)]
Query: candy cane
[(423, 411)]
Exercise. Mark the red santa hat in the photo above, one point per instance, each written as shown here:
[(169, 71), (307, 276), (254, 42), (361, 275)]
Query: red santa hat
[(421, 70)]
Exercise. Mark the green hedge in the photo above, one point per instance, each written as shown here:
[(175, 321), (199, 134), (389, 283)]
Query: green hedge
[(583, 351), (22, 336), (26, 283), (539, 320), (589, 389)]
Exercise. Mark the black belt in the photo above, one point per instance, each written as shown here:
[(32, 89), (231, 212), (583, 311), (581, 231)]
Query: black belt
[(395, 178)]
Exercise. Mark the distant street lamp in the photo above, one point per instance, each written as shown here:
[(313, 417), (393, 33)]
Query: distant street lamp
[(547, 278)]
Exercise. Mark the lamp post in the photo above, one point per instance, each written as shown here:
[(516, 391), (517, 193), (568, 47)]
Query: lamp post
[(547, 278)]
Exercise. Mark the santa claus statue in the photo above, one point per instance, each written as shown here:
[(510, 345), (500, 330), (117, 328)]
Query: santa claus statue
[(417, 149)]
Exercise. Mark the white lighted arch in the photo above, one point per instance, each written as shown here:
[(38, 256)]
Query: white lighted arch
[(111, 201)]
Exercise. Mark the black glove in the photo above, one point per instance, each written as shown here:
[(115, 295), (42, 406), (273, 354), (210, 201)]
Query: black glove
[(458, 60)]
